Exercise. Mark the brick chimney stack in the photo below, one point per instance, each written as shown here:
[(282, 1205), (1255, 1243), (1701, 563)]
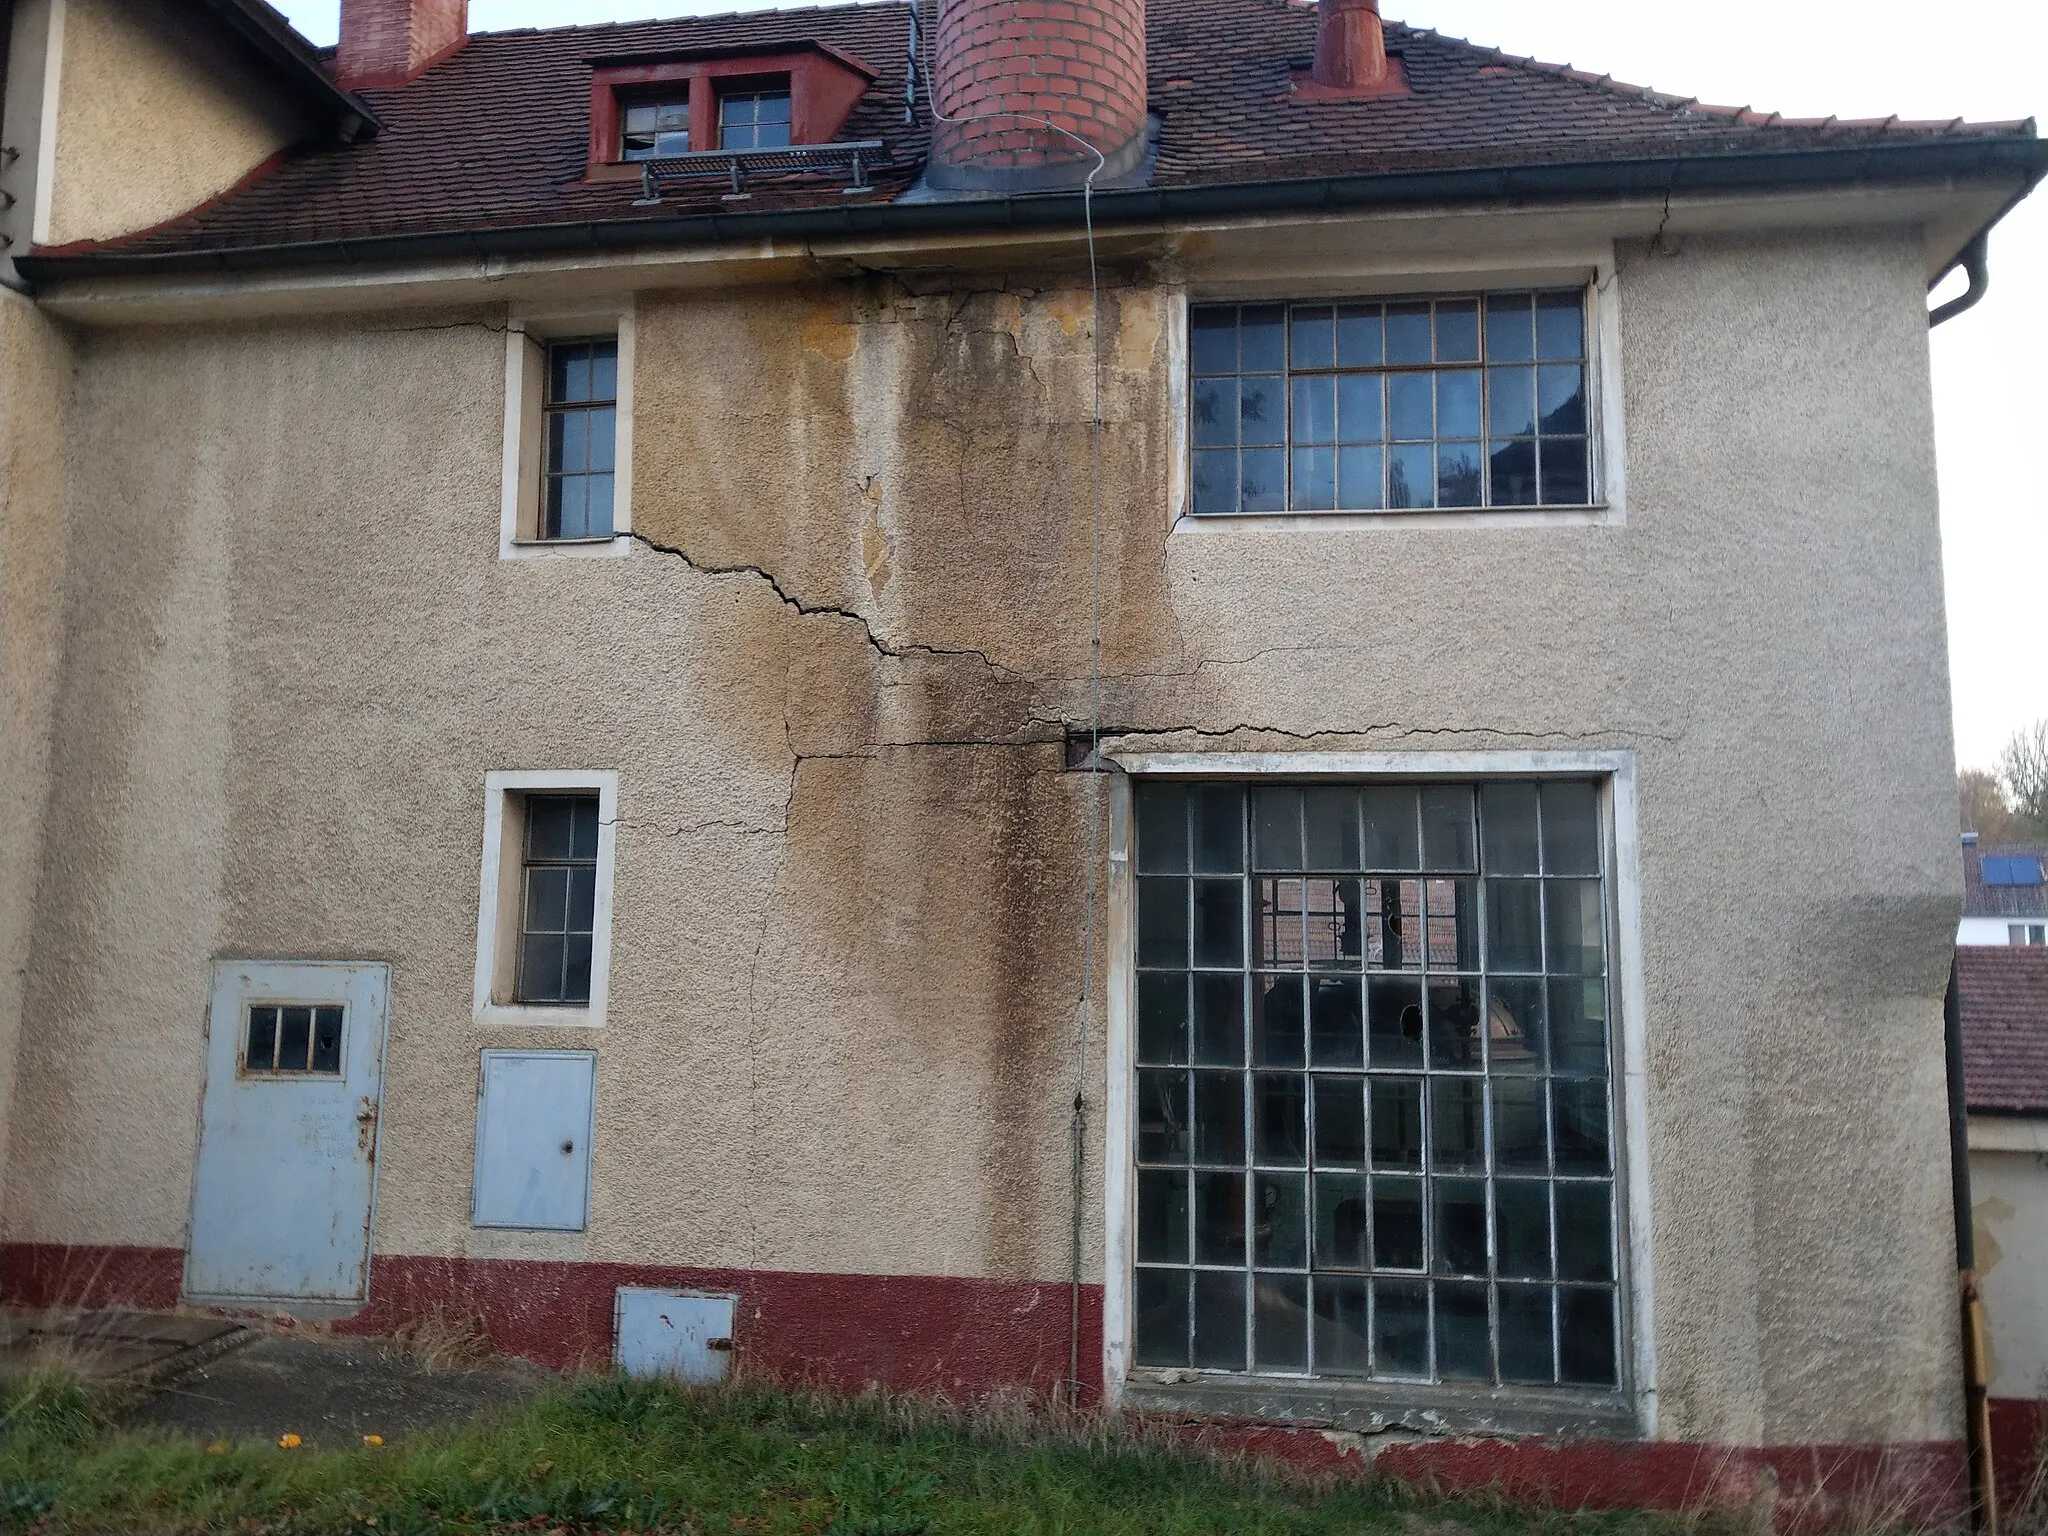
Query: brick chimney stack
[(389, 42), (1000, 64), (1351, 47)]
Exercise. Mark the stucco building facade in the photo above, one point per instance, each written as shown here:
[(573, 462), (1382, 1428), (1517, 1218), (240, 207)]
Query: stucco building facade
[(953, 763)]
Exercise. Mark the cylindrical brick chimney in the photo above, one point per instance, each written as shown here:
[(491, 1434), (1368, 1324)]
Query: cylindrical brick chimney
[(1351, 46), (1004, 69), (389, 42)]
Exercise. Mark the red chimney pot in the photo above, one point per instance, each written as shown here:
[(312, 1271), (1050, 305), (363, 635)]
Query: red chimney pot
[(391, 42), (1351, 50)]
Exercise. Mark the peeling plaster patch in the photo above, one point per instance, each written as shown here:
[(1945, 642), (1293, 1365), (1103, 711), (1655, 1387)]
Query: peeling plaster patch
[(829, 336), (1137, 339), (1072, 310), (874, 541), (1988, 1251)]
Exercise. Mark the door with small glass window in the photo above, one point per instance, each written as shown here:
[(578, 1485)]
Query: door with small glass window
[(286, 1179)]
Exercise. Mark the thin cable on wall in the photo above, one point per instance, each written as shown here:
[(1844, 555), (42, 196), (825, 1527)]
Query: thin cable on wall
[(1087, 999)]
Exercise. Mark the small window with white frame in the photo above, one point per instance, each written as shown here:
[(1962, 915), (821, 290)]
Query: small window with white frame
[(568, 437), (2027, 933), (1467, 402), (544, 916)]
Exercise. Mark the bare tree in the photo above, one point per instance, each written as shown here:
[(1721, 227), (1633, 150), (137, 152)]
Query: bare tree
[(2023, 776), (1983, 808)]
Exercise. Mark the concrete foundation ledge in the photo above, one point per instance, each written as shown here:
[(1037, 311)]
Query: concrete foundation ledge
[(965, 1338)]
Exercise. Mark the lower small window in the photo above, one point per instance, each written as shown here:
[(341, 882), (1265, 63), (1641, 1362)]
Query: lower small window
[(559, 909), (544, 920), (1375, 1136), (284, 1040)]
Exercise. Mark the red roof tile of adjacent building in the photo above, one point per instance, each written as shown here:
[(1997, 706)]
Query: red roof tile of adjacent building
[(2004, 995), (495, 138)]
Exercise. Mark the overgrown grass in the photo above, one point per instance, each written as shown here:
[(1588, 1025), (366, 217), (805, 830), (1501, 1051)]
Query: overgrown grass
[(614, 1455)]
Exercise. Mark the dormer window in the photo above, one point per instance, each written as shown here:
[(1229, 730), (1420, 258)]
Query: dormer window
[(754, 119), (654, 129)]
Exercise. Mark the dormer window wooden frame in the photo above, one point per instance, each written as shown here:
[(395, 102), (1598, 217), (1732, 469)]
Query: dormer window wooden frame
[(825, 84)]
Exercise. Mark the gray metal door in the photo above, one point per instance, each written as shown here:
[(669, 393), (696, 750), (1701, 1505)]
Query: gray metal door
[(287, 1173)]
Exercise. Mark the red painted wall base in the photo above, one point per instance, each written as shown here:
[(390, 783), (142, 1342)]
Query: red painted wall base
[(966, 1338)]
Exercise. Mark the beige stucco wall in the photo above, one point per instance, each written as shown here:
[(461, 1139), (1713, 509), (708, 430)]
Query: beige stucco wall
[(152, 120), (36, 445), (2009, 1193), (850, 871)]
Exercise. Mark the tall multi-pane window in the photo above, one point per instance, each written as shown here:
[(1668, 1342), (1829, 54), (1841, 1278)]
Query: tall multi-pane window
[(582, 438), (559, 899), (1479, 401), (1374, 1128), (753, 119)]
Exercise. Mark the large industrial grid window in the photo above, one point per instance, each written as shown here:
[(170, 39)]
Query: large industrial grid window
[(1374, 1129), (1479, 401)]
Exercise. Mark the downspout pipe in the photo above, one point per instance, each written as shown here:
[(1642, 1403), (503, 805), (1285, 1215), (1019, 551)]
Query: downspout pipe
[(1976, 1354), (1976, 263)]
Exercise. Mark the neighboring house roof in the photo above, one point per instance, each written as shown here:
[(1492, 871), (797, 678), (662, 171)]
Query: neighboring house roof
[(2003, 990), (303, 67), (493, 141), (2011, 886)]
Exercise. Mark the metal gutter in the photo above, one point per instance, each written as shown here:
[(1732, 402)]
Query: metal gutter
[(276, 41), (1943, 161)]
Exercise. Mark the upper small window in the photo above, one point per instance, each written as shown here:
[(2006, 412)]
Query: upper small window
[(653, 129), (582, 438), (1478, 401), (754, 119)]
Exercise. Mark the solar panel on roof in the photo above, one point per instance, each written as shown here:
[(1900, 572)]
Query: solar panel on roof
[(2012, 869)]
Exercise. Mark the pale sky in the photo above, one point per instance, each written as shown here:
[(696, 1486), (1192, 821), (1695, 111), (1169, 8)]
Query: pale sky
[(1855, 58)]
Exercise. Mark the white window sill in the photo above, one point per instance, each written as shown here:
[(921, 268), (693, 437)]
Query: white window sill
[(1598, 516), (567, 549), (537, 1016)]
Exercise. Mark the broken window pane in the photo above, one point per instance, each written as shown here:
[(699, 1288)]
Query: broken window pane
[(327, 1040), (1394, 1021), (1336, 1021), (1278, 1022), (1163, 1019)]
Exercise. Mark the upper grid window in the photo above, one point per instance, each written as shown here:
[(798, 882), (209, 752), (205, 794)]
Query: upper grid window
[(556, 937), (1467, 402), (753, 119), (653, 129), (1374, 1130), (582, 439)]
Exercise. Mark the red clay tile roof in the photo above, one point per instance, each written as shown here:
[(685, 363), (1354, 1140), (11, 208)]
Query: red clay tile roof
[(2004, 994), (495, 138), (1981, 900)]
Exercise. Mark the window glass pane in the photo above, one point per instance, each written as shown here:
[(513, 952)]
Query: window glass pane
[(1571, 829), (1521, 1141), (1262, 480), (550, 827), (1315, 480), (1565, 482), (1360, 343), (1460, 1216), (1507, 820), (1513, 467), (1411, 406), (1343, 1221), (1280, 1221), (1361, 479), (1511, 402), (1340, 1122), (1219, 1218), (1216, 408), (1330, 829), (1460, 481), (1561, 399), (1276, 828), (1315, 336), (1215, 483), (1280, 1120), (1510, 328), (1457, 331), (1219, 923), (1343, 1327), (1280, 1324), (1262, 411), (1525, 1346), (1163, 1019), (1162, 829), (582, 899), (1163, 923), (1396, 1123), (1516, 1025), (1219, 1120), (1457, 403), (1361, 407), (1448, 841), (1514, 925), (1262, 338), (1454, 1043), (1408, 338), (1391, 828), (1401, 1328), (1586, 1337), (1336, 1022), (1581, 1119), (261, 1055), (1574, 925), (597, 520), (576, 952), (541, 957), (1411, 477), (1162, 1217), (1521, 1225), (1560, 326), (569, 373), (1162, 1317), (547, 900), (327, 1039), (1578, 1012), (1219, 829), (773, 107), (1315, 409), (1464, 1347), (1277, 1022), (1214, 345), (1585, 1233), (294, 1038), (1394, 1021), (1219, 1021), (1163, 1118), (604, 370), (1457, 1118)]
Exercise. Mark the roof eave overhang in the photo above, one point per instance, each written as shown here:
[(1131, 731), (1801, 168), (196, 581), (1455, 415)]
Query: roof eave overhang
[(2006, 167), (271, 38)]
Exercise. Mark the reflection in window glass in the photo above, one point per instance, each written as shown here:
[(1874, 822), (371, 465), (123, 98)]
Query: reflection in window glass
[(1458, 402), (753, 120), (1375, 1131)]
